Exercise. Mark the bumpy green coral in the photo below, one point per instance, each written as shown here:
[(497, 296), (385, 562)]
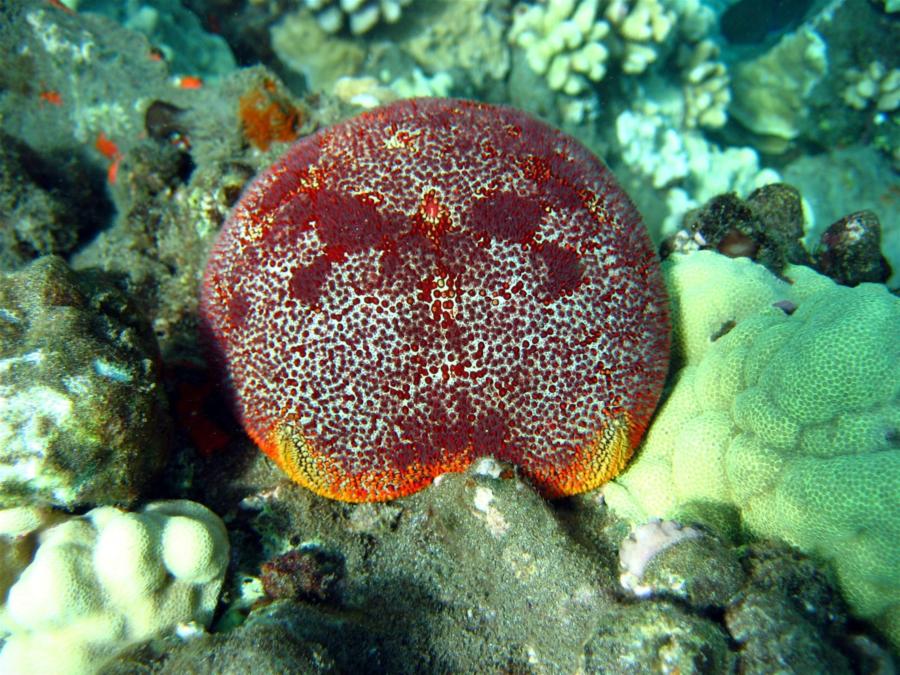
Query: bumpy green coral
[(782, 424)]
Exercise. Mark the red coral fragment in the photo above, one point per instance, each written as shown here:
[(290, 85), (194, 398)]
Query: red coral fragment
[(267, 116)]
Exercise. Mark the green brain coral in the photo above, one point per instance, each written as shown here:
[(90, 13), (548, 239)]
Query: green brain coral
[(782, 425)]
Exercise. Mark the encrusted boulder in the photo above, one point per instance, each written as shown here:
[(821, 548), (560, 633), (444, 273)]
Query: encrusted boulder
[(83, 417)]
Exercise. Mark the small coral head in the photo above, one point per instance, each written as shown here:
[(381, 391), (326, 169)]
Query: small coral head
[(434, 281)]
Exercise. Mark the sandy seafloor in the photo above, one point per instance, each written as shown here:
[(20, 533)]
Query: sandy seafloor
[(755, 531)]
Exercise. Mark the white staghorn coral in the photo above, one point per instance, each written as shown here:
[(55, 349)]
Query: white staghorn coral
[(681, 161), (361, 15), (875, 85), (705, 85), (573, 43), (642, 24), (563, 40)]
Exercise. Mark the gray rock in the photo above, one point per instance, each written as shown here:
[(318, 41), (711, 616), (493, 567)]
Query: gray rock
[(270, 642), (477, 573), (83, 417), (682, 563), (849, 250), (775, 637), (657, 638), (44, 204), (765, 227), (474, 574), (789, 617), (175, 30), (72, 79)]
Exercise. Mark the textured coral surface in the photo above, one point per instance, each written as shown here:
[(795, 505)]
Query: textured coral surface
[(434, 281), (784, 425)]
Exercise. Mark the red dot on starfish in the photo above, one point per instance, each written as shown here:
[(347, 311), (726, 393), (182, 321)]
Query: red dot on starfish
[(434, 281)]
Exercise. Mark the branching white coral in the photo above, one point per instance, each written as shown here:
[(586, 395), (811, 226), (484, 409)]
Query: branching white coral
[(361, 15), (651, 148), (642, 24), (876, 85), (573, 42), (417, 83), (705, 86), (369, 92), (691, 169), (563, 41)]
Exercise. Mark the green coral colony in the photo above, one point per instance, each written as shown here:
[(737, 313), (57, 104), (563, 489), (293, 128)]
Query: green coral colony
[(786, 425)]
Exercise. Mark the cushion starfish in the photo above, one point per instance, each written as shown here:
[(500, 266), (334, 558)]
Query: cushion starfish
[(433, 281)]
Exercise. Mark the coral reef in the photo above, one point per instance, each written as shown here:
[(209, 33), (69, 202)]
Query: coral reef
[(62, 91), (705, 85), (658, 118), (305, 47), (368, 92), (175, 31), (875, 86), (146, 168), (784, 608), (459, 43), (781, 424), (770, 92), (853, 176), (766, 227), (814, 85), (45, 207), (268, 116), (360, 16), (642, 25), (689, 168), (83, 416), (97, 583), (574, 44), (175, 187), (663, 634), (128, 134), (478, 573), (273, 641), (462, 576), (465, 39), (563, 41), (850, 250), (570, 42)]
